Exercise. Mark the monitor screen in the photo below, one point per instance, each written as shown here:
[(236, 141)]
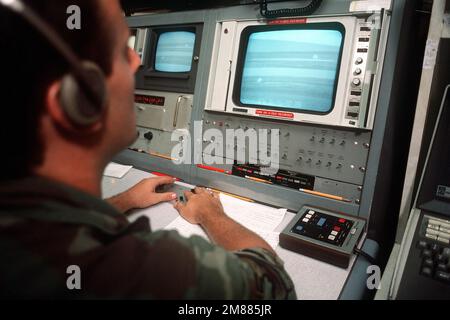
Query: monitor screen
[(292, 69), (174, 51)]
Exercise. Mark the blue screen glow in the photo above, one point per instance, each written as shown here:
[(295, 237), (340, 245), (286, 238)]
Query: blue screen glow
[(175, 51), (291, 69)]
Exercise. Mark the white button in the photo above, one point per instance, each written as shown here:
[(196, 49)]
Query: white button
[(331, 238), (430, 236), (334, 233), (435, 222), (311, 212), (433, 226), (433, 232), (444, 240), (445, 224), (308, 216), (305, 220), (444, 230), (443, 235)]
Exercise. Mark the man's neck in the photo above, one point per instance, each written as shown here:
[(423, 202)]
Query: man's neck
[(83, 175)]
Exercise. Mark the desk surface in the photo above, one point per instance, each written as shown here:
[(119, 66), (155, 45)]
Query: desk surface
[(313, 279)]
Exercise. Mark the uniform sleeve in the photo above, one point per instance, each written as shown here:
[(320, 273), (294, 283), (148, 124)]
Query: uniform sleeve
[(220, 274)]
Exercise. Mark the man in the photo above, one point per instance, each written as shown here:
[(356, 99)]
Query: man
[(51, 216)]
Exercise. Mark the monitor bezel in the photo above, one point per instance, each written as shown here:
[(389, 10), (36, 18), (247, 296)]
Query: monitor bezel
[(243, 47)]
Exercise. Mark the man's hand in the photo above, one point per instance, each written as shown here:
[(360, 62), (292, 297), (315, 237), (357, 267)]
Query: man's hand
[(143, 195), (201, 206)]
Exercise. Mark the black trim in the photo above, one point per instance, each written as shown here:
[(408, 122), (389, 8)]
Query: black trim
[(247, 32)]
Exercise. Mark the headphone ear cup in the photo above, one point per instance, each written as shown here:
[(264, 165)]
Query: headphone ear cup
[(81, 108)]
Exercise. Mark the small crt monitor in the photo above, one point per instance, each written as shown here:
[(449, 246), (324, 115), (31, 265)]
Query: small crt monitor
[(170, 58), (175, 51), (290, 68)]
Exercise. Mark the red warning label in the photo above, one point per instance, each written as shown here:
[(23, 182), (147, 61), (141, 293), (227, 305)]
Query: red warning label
[(278, 114)]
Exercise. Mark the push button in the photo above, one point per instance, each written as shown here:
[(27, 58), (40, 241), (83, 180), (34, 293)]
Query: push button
[(443, 276), (426, 271)]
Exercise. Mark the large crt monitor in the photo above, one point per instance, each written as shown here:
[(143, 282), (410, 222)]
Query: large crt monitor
[(317, 70), (290, 68)]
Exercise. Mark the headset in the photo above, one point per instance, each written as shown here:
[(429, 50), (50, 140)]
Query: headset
[(83, 94)]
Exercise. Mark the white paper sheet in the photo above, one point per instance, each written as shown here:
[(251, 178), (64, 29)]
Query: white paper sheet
[(116, 170), (255, 217), (260, 219)]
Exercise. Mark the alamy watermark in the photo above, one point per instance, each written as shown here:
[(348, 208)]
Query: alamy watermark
[(74, 20), (249, 146), (374, 279), (73, 281)]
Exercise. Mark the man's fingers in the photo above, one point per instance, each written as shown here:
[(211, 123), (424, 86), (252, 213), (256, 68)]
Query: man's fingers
[(179, 206), (200, 190), (188, 195), (163, 180), (167, 196)]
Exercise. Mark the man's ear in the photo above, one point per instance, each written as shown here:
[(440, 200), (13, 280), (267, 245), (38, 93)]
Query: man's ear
[(59, 117)]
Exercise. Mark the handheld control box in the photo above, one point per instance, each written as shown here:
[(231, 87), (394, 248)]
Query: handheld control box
[(324, 235)]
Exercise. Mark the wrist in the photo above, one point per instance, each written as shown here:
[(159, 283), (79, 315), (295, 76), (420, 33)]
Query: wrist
[(213, 218), (122, 202)]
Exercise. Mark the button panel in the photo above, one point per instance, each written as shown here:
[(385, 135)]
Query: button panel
[(434, 249), (323, 227), (359, 66)]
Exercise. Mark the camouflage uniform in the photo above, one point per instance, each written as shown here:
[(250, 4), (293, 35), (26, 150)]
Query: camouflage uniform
[(46, 226)]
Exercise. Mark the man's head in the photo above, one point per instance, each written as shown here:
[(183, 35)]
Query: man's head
[(35, 127)]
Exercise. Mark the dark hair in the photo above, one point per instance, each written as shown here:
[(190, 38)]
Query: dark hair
[(28, 64)]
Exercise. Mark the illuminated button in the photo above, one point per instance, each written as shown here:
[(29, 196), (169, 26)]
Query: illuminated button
[(342, 220), (299, 228), (321, 222), (308, 216), (337, 229), (331, 237), (334, 233), (311, 212), (305, 220)]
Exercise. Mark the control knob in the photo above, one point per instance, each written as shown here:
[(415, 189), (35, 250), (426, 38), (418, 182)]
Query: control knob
[(148, 136)]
